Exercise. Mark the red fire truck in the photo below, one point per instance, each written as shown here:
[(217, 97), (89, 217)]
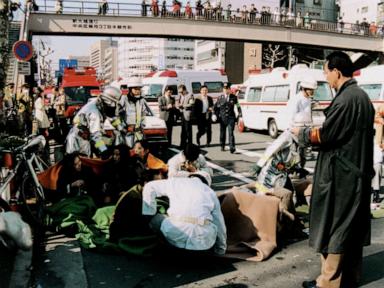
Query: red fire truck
[(79, 86)]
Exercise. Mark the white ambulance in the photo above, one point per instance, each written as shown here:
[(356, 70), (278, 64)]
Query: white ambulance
[(264, 106), (155, 83), (371, 80)]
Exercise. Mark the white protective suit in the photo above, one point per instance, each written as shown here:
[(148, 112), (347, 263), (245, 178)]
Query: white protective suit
[(94, 121), (195, 220), (134, 116)]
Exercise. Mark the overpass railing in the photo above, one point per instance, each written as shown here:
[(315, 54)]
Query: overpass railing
[(205, 14)]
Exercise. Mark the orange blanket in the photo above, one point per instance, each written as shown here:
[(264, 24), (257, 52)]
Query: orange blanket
[(48, 178), (251, 222)]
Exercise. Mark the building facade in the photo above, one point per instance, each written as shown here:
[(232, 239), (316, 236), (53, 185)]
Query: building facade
[(140, 56), (110, 64), (82, 61), (97, 55), (209, 55), (352, 11)]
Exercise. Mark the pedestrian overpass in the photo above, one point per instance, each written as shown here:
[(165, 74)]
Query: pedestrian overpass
[(91, 24)]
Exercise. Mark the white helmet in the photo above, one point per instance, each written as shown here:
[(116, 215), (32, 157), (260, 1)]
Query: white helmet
[(110, 96), (134, 82), (308, 83), (203, 174)]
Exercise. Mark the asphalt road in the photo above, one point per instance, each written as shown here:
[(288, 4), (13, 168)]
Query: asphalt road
[(288, 267)]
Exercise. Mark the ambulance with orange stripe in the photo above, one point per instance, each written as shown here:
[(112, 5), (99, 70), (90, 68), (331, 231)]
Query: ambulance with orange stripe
[(264, 106)]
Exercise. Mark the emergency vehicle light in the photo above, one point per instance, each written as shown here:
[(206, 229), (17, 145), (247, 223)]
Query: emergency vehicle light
[(357, 73), (168, 73)]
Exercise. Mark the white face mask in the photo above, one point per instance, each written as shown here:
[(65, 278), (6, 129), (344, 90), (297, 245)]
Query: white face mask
[(25, 91)]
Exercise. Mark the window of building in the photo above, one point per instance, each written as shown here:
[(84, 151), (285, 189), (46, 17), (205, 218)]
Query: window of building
[(252, 52), (364, 9)]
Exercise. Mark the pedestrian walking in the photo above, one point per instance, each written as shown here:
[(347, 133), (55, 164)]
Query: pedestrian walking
[(340, 216), (167, 109), (225, 113), (203, 109)]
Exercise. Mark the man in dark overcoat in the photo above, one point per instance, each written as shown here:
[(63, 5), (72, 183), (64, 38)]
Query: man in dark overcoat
[(340, 203)]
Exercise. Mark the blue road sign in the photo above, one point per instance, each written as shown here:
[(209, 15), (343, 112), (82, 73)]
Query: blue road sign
[(64, 63), (22, 50)]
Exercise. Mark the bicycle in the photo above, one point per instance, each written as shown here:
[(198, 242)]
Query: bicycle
[(30, 192)]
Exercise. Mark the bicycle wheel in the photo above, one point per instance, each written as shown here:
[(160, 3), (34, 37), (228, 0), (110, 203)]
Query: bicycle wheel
[(32, 201)]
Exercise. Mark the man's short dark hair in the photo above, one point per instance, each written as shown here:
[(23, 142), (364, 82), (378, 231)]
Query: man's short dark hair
[(182, 86), (203, 86), (342, 62), (191, 152)]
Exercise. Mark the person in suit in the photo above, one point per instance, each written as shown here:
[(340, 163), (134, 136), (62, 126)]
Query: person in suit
[(167, 108), (185, 106), (225, 113), (203, 111)]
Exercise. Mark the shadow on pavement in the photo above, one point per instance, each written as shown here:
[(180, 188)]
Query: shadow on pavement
[(373, 268)]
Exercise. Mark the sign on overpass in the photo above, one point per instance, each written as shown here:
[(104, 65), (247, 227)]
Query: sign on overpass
[(92, 25)]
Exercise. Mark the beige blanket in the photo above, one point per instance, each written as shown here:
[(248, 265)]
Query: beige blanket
[(251, 222)]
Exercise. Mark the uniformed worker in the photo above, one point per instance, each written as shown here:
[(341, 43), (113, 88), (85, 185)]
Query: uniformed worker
[(225, 108), (95, 113), (134, 110)]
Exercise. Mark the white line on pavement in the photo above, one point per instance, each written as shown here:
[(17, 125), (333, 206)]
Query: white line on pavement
[(224, 171)]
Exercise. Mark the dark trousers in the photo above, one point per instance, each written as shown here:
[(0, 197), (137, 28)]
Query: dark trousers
[(186, 133), (204, 126), (169, 124), (230, 125)]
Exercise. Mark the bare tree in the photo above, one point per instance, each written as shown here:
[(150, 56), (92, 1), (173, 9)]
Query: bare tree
[(272, 54), (4, 49)]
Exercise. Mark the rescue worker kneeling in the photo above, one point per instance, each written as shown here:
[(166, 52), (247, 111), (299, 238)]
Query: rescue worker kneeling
[(194, 220), (93, 116)]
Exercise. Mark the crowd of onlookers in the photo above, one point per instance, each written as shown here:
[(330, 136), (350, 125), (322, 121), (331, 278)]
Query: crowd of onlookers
[(265, 15), (32, 110)]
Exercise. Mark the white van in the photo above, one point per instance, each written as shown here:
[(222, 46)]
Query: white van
[(154, 85), (371, 80), (265, 103)]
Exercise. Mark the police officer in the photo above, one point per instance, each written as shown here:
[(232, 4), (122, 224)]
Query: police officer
[(94, 114), (225, 112), (134, 109)]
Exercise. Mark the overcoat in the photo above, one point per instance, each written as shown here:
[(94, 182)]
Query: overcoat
[(340, 202)]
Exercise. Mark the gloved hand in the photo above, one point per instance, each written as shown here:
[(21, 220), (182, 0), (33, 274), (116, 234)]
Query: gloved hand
[(214, 118), (255, 170)]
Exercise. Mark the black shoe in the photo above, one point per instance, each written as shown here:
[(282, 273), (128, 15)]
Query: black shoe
[(310, 284), (233, 150), (222, 148)]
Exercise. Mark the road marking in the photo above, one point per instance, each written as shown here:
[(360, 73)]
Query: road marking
[(224, 171), (249, 153)]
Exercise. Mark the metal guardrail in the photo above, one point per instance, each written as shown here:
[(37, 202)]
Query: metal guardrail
[(211, 15)]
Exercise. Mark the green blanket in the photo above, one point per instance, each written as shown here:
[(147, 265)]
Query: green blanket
[(78, 216)]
